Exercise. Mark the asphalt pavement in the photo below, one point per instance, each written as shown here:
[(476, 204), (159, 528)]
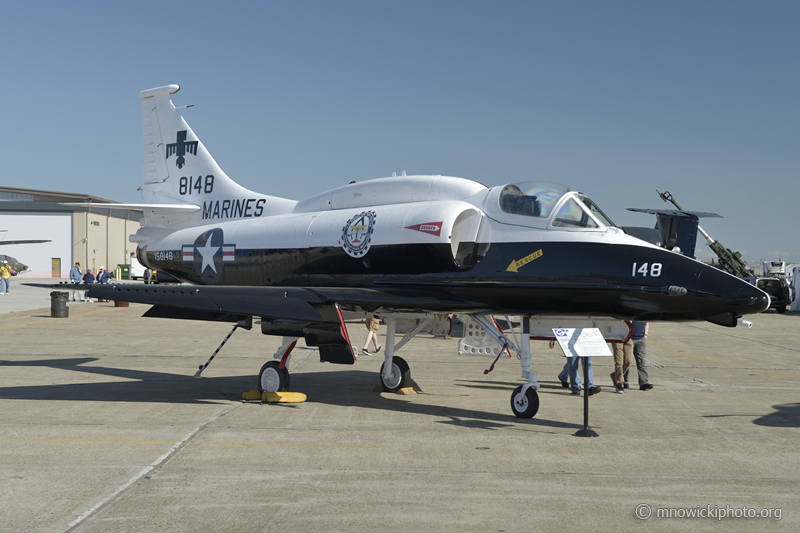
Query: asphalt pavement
[(105, 429)]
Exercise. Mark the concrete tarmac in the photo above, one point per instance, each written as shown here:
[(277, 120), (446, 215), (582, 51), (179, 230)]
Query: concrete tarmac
[(104, 429)]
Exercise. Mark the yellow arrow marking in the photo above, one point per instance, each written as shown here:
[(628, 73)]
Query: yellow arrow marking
[(515, 265)]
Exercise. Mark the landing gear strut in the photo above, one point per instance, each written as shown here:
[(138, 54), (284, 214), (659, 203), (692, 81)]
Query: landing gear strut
[(395, 373), (524, 399)]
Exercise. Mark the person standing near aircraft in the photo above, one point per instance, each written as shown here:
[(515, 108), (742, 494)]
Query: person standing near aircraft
[(564, 376), (575, 383), (76, 276), (103, 276), (372, 335), (623, 357), (88, 278), (5, 277), (639, 339)]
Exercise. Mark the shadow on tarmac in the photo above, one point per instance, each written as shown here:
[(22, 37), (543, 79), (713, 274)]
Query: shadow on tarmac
[(544, 386), (146, 386), (347, 388), (785, 416)]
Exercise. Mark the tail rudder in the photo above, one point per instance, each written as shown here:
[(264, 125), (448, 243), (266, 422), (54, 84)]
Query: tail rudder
[(179, 170)]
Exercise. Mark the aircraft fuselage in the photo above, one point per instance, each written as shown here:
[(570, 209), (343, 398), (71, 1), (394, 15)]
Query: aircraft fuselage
[(492, 262)]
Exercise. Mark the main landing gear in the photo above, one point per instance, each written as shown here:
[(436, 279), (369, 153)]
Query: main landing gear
[(273, 376), (395, 373), (399, 377)]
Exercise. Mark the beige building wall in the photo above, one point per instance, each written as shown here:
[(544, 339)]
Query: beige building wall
[(117, 243), (101, 240), (79, 240), (97, 245)]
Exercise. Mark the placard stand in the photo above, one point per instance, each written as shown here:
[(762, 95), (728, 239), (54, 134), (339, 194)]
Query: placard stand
[(583, 342)]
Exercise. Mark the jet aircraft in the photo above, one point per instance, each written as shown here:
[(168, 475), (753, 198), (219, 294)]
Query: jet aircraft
[(395, 247)]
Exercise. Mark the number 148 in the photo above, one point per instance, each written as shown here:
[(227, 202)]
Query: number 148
[(653, 270)]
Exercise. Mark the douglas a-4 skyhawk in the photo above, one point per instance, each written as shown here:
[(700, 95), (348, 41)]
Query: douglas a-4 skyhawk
[(404, 246)]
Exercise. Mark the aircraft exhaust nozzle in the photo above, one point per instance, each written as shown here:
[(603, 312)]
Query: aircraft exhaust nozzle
[(743, 322)]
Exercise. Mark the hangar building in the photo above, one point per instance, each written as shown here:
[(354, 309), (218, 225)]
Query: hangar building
[(92, 236)]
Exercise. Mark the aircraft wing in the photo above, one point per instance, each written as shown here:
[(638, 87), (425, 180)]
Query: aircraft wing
[(24, 242), (226, 303)]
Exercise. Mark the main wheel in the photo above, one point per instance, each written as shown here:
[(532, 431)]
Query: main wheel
[(524, 405), (400, 377), (781, 309), (273, 378)]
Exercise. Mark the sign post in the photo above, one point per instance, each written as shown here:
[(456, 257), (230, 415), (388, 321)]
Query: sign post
[(583, 342)]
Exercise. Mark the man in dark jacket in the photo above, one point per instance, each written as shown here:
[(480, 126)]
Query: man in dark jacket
[(88, 278)]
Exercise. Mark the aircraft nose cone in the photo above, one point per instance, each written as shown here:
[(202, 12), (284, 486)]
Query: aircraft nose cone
[(750, 299), (735, 297)]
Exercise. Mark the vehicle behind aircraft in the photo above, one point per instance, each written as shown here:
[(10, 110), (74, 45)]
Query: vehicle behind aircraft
[(779, 291)]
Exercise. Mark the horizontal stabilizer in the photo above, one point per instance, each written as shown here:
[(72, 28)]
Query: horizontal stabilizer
[(150, 208)]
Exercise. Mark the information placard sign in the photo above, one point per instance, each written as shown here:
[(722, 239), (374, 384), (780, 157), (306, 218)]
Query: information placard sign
[(582, 342)]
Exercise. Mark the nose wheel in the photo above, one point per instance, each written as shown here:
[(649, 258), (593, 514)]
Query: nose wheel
[(273, 378), (524, 404)]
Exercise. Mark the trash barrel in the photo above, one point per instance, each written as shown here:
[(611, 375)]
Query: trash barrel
[(58, 305)]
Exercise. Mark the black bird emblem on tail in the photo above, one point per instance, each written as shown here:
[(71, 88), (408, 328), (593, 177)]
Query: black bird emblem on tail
[(181, 148)]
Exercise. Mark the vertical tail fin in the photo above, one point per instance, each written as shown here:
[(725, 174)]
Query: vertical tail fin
[(179, 170)]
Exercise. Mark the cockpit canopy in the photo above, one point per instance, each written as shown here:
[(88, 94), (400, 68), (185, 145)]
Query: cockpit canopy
[(545, 204)]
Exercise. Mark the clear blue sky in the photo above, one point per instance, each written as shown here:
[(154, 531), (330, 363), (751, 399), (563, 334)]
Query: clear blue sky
[(614, 98)]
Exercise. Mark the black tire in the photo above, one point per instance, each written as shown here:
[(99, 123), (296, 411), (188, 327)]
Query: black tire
[(782, 309), (273, 378), (400, 378), (524, 405)]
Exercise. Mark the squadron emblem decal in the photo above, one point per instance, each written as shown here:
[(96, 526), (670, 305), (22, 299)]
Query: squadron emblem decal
[(357, 233)]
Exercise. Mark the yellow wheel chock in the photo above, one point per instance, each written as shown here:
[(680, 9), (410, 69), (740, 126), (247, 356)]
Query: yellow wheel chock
[(404, 390), (274, 397)]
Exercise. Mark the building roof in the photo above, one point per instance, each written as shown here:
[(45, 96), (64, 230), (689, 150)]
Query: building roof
[(15, 194)]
